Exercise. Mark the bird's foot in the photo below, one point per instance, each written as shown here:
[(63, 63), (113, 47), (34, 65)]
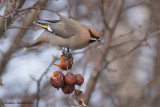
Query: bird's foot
[(67, 54)]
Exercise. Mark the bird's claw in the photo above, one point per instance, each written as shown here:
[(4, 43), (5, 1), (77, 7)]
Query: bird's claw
[(67, 54)]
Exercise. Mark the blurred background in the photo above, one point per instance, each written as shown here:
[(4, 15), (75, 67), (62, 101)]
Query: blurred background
[(121, 71)]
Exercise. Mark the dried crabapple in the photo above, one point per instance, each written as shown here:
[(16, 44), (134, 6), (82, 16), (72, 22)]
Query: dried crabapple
[(57, 80), (70, 78), (67, 89), (79, 79), (66, 61)]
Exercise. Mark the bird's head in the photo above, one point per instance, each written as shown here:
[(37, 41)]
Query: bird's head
[(94, 35)]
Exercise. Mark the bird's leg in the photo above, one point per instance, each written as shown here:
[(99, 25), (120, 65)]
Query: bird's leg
[(68, 50), (67, 68)]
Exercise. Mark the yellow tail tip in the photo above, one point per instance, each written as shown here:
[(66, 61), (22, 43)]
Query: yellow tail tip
[(25, 48)]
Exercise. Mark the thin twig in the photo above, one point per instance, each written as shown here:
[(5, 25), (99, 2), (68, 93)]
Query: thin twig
[(103, 13), (69, 8), (40, 79), (100, 58), (147, 36), (36, 8), (17, 40), (139, 2), (23, 27)]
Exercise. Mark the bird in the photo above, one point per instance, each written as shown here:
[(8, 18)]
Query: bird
[(66, 32)]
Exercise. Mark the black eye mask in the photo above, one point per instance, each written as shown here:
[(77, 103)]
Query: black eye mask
[(91, 34), (91, 41)]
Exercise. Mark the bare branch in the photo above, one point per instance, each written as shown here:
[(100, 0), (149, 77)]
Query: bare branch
[(23, 27), (69, 9), (99, 62), (27, 22), (7, 17), (40, 79)]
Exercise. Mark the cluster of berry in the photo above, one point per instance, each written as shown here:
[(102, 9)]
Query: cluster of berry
[(68, 81)]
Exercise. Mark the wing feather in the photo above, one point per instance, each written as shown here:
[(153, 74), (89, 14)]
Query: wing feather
[(63, 28)]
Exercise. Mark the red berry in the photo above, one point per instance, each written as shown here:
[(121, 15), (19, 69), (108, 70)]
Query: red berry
[(57, 80), (70, 78), (79, 79), (67, 89), (66, 62)]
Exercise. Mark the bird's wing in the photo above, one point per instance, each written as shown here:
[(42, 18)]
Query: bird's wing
[(52, 21), (62, 28)]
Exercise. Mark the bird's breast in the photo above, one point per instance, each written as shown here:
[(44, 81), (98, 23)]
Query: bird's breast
[(78, 43)]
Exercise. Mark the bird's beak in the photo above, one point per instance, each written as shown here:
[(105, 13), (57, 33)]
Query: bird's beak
[(98, 40)]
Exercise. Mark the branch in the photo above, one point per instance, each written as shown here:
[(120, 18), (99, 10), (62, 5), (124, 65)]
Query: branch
[(69, 9), (103, 13), (7, 18), (35, 7), (23, 27), (99, 62), (40, 79), (17, 40), (134, 48), (139, 2)]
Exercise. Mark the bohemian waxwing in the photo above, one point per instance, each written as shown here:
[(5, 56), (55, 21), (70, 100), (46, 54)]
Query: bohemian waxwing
[(66, 33)]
